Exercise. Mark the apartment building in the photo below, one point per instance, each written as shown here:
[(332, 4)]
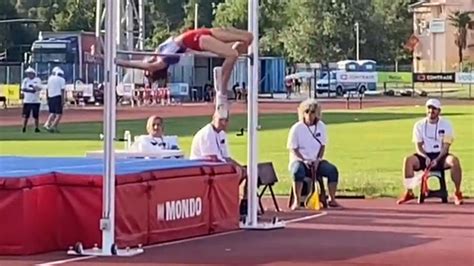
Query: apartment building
[(435, 50)]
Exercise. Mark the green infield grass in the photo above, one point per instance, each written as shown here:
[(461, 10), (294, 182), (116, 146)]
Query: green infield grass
[(368, 146)]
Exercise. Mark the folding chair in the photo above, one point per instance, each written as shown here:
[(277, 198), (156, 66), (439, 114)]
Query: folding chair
[(267, 178), (441, 193)]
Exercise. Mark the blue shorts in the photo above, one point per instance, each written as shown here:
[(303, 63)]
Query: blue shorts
[(173, 49), (300, 171)]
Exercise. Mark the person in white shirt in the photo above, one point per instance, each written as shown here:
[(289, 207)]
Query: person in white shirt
[(433, 137), (31, 87), (307, 140), (210, 143), (156, 139), (56, 87)]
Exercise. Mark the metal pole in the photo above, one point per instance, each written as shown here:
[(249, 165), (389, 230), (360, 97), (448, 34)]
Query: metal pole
[(141, 25), (129, 24), (196, 18), (357, 40), (107, 224), (252, 113)]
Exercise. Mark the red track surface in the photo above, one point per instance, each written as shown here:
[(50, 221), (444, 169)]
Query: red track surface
[(367, 232), (11, 117)]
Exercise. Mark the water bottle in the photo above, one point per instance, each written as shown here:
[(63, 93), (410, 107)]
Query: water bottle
[(128, 139)]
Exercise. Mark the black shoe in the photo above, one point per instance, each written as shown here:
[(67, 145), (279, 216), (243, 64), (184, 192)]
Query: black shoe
[(23, 130), (37, 130), (243, 207)]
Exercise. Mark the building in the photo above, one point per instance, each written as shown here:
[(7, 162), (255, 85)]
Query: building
[(435, 49)]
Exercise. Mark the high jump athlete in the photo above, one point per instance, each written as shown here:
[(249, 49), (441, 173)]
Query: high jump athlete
[(225, 42)]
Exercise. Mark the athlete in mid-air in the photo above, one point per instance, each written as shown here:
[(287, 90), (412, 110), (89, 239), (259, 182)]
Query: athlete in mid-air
[(225, 42)]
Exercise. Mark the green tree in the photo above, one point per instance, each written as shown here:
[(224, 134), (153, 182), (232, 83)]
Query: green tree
[(75, 16), (272, 19), (461, 21), (14, 37), (390, 28)]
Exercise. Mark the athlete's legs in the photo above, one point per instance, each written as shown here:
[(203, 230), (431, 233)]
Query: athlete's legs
[(232, 35)]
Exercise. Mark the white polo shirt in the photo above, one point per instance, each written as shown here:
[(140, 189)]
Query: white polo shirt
[(31, 97), (208, 142), (148, 143), (308, 141), (432, 135), (55, 85)]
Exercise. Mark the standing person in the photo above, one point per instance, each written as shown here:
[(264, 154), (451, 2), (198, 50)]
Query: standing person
[(31, 87), (56, 87), (433, 137), (307, 141), (226, 42)]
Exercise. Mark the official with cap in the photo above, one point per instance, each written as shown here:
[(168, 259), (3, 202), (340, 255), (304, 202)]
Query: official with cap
[(433, 137)]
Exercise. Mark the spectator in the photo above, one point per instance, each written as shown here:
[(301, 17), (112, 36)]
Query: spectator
[(56, 88), (31, 87)]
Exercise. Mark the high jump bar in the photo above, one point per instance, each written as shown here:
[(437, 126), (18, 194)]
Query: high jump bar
[(200, 54)]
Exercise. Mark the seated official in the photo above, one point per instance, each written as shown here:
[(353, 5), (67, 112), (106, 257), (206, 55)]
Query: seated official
[(307, 141), (155, 140), (210, 144), (433, 137)]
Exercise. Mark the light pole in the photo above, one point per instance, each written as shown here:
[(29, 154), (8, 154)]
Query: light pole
[(196, 11), (356, 27)]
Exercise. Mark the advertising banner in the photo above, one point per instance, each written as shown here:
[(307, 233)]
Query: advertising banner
[(465, 78), (357, 77), (395, 77), (434, 77)]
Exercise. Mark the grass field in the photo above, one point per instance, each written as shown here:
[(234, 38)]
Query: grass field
[(368, 147)]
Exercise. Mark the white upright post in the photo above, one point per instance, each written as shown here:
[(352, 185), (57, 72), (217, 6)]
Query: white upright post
[(108, 216), (252, 115), (251, 221)]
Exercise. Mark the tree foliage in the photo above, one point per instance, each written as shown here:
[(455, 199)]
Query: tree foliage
[(300, 30)]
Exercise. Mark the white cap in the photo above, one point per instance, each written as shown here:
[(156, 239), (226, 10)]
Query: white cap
[(221, 112), (433, 102), (30, 70), (57, 71)]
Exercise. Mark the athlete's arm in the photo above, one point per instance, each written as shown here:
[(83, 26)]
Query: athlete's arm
[(157, 65)]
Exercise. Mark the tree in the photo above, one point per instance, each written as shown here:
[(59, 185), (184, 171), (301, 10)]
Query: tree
[(272, 20), (75, 16), (14, 36), (461, 21), (390, 27)]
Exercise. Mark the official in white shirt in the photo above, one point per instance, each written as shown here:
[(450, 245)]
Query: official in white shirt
[(433, 137), (210, 143), (156, 139), (31, 87), (307, 140), (56, 87)]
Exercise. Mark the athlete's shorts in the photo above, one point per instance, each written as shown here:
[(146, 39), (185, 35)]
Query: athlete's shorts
[(191, 38)]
